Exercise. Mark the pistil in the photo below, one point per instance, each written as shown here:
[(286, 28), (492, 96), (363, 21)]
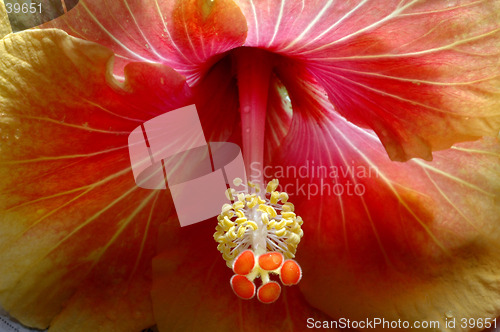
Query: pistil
[(259, 232), (256, 248), (253, 67)]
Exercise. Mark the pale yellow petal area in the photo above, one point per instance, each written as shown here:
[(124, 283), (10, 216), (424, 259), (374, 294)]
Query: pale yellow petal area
[(77, 236), (5, 28)]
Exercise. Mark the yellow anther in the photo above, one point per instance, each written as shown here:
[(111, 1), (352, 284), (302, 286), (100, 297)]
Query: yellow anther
[(252, 224), (228, 213), (240, 214), (226, 208), (260, 200), (272, 185), (255, 186), (291, 247), (269, 209), (287, 215), (281, 232), (252, 203), (283, 197), (237, 182), (280, 224), (241, 197), (240, 221), (294, 239), (295, 228), (231, 235), (227, 224), (265, 218), (238, 205), (241, 231), (300, 221), (230, 194), (288, 207), (274, 197)]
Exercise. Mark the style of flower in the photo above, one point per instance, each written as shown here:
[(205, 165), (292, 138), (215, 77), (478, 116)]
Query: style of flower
[(363, 84)]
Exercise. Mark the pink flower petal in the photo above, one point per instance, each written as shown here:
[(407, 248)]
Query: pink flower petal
[(422, 235), (181, 34), (422, 74), (415, 241)]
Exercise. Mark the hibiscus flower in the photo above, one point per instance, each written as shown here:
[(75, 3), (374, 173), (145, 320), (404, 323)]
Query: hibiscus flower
[(366, 88)]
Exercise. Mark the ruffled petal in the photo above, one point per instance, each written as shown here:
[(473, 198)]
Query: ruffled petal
[(191, 290), (77, 236), (422, 74), (182, 34), (382, 239)]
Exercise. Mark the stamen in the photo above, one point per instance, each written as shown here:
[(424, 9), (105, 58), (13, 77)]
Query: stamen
[(271, 186), (255, 235)]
